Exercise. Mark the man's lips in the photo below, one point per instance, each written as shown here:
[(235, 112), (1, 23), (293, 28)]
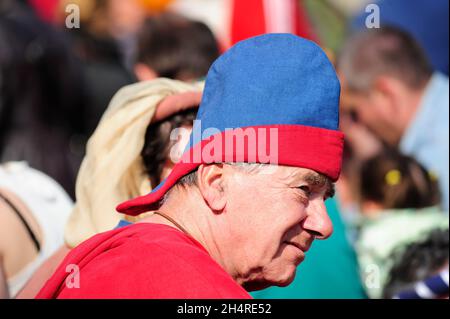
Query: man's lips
[(302, 248)]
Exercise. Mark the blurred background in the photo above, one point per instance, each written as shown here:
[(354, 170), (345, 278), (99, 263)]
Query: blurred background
[(390, 212)]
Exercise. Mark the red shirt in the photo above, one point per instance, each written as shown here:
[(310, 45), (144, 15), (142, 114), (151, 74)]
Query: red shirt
[(144, 260)]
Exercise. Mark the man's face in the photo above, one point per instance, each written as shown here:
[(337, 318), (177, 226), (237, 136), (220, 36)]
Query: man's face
[(272, 219), (373, 109)]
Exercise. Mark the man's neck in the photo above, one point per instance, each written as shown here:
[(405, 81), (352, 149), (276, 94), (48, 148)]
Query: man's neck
[(197, 219)]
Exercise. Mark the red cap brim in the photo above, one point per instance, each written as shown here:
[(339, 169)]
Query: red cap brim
[(314, 148)]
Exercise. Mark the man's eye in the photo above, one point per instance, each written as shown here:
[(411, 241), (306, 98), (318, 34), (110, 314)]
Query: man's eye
[(306, 190)]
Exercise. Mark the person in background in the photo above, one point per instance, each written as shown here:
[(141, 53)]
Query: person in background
[(113, 23), (399, 202), (392, 90), (105, 45), (33, 212), (138, 127), (421, 269), (426, 21), (42, 105), (174, 47)]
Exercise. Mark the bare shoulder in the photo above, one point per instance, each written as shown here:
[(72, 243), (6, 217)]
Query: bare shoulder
[(16, 246), (8, 225)]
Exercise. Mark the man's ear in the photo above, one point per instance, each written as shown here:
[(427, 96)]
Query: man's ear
[(144, 72), (211, 186)]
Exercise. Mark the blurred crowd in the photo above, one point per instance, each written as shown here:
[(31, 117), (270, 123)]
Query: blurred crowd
[(87, 115)]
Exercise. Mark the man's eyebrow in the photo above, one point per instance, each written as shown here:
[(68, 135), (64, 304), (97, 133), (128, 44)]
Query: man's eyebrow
[(315, 179), (319, 180)]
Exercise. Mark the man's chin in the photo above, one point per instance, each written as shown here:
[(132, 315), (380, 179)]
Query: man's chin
[(281, 281), (286, 282)]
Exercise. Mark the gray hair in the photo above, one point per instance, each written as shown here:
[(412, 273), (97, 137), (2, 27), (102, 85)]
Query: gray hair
[(383, 51), (250, 168), (190, 179)]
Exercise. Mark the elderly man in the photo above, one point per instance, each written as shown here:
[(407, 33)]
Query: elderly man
[(244, 204)]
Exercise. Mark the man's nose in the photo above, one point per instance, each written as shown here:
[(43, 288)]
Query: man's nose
[(317, 221)]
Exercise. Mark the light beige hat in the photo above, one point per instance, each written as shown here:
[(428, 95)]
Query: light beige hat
[(112, 170)]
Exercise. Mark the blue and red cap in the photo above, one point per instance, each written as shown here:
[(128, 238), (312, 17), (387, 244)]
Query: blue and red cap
[(278, 94)]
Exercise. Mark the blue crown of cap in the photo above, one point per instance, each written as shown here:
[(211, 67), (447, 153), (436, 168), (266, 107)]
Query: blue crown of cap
[(270, 80)]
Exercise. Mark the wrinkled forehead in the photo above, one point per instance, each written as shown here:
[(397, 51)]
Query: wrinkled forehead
[(299, 174), (285, 173)]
